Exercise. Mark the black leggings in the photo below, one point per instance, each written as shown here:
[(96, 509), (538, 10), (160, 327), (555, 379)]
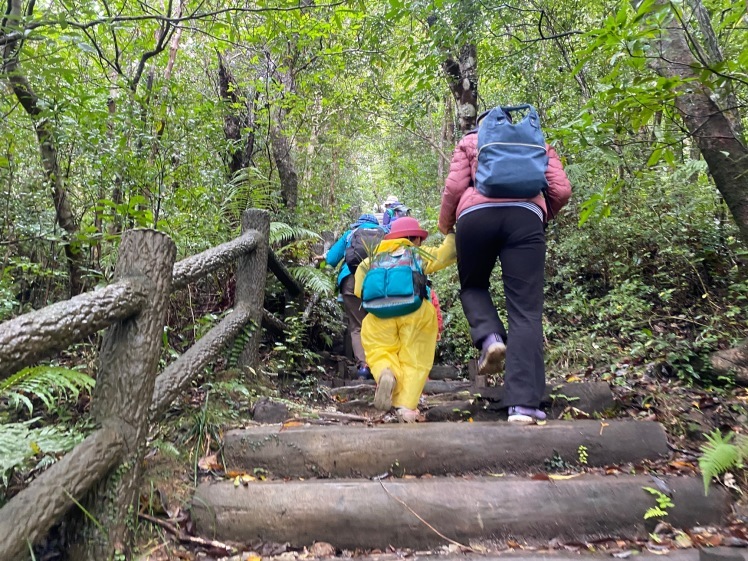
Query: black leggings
[(515, 236)]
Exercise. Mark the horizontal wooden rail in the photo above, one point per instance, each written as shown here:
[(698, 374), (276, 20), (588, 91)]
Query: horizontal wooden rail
[(284, 276), (32, 512), (272, 323), (195, 267), (177, 376), (32, 336)]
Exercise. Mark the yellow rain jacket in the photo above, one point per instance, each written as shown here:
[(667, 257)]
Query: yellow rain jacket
[(405, 344)]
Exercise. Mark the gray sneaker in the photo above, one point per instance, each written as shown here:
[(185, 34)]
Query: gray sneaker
[(526, 416), (492, 354), (385, 387)]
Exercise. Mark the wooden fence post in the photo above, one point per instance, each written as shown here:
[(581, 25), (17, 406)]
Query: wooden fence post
[(124, 388), (251, 274)]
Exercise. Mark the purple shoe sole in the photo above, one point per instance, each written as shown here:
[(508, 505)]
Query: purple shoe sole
[(492, 360)]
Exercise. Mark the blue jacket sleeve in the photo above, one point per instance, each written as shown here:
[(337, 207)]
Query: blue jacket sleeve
[(337, 252)]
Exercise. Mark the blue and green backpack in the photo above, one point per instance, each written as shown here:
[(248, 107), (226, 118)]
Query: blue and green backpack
[(395, 284)]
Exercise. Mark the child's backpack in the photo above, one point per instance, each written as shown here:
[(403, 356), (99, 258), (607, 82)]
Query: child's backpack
[(512, 157), (360, 244), (395, 284)]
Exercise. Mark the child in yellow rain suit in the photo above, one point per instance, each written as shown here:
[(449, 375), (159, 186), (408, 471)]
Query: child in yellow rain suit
[(399, 333)]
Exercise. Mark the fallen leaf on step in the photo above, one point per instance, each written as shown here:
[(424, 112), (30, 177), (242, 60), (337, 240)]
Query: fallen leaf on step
[(322, 549), (683, 541), (679, 464), (209, 463), (562, 477)]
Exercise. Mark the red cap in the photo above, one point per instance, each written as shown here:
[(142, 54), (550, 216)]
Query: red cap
[(406, 227)]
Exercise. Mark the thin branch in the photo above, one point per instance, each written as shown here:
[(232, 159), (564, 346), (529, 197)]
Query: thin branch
[(414, 513), (175, 20), (184, 537)]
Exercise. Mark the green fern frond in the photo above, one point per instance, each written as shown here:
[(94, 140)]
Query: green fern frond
[(45, 383), (167, 449), (281, 233), (237, 347), (248, 189), (719, 454), (312, 279), (654, 512), (20, 444)]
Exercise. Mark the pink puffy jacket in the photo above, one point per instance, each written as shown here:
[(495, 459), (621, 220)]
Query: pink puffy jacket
[(459, 193)]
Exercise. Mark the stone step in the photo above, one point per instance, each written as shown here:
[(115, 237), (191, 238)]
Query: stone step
[(439, 448), (423, 513)]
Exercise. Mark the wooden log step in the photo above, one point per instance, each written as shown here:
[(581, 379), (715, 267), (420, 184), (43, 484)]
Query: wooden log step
[(438, 372), (721, 553), (588, 397), (353, 451), (444, 372), (431, 386), (375, 514)]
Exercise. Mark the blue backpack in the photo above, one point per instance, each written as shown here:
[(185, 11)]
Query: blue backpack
[(512, 158), (395, 284)]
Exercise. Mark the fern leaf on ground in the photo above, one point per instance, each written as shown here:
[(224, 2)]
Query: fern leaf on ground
[(719, 454), (20, 444)]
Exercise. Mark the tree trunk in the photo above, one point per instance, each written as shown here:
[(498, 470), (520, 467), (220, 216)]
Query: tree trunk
[(235, 122), (282, 146), (462, 75), (710, 125), (712, 54), (283, 156), (48, 150), (447, 139)]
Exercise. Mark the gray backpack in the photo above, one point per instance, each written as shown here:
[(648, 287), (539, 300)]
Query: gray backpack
[(360, 244)]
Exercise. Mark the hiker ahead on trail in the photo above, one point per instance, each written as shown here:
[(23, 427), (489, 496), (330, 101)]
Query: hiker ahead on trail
[(393, 209), (399, 333), (352, 248), (504, 184)]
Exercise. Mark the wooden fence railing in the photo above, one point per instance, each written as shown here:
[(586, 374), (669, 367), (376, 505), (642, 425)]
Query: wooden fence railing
[(101, 475)]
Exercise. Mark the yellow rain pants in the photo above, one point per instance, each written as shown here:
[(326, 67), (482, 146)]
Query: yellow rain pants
[(406, 345)]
